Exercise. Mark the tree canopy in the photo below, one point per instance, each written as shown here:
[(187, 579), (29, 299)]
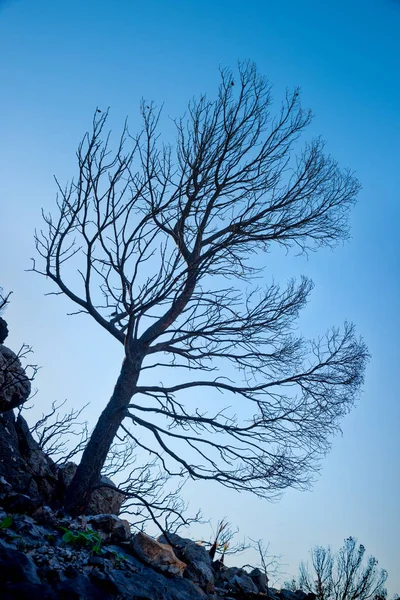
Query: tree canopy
[(167, 242)]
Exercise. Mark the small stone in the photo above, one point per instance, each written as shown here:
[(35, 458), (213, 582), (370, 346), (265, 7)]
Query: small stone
[(96, 561)]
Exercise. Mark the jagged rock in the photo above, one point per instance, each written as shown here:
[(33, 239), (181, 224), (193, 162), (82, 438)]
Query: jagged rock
[(110, 527), (199, 563), (3, 330), (15, 566), (15, 386), (260, 579), (36, 564), (45, 516), (103, 500), (23, 464), (238, 580), (40, 465), (148, 585), (13, 468), (55, 571), (16, 503), (159, 556)]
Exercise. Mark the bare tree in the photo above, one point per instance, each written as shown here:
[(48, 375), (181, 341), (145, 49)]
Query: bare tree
[(157, 244), (344, 576), (149, 496)]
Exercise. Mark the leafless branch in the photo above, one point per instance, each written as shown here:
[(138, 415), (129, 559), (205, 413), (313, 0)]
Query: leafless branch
[(54, 435)]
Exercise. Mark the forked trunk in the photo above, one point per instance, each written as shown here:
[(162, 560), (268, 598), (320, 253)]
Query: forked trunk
[(89, 470)]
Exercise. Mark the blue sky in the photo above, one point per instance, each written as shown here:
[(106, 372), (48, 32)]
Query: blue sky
[(59, 60)]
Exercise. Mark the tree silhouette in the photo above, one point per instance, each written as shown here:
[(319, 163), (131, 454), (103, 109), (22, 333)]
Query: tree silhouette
[(344, 576), (164, 240)]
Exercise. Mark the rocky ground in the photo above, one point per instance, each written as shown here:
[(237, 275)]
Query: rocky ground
[(46, 556)]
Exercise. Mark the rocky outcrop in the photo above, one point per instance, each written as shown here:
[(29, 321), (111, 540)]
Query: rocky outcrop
[(237, 580), (103, 500), (199, 567), (22, 463), (35, 562), (48, 556), (110, 528), (15, 386), (35, 479), (3, 329)]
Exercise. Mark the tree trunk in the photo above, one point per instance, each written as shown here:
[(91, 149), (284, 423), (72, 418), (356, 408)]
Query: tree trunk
[(88, 473)]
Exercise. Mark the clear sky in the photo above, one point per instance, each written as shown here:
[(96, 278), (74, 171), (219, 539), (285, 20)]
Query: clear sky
[(59, 60)]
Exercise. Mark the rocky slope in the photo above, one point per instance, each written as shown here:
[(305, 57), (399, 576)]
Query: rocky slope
[(46, 555)]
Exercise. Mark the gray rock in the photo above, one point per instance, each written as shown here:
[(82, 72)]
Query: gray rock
[(149, 585), (15, 386), (41, 466), (110, 527), (23, 465), (285, 594), (238, 580), (260, 579), (199, 563), (3, 330), (15, 566), (103, 500)]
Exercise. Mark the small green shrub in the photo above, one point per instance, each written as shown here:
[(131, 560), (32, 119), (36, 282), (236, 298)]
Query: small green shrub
[(6, 522), (83, 538)]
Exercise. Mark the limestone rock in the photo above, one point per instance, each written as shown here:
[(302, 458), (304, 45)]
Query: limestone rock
[(157, 555), (103, 500), (199, 563), (110, 527), (15, 386)]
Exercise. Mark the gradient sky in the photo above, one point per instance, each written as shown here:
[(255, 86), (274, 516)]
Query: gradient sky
[(59, 60)]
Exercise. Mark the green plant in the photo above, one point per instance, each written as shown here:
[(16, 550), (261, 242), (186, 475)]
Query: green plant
[(83, 538), (6, 522)]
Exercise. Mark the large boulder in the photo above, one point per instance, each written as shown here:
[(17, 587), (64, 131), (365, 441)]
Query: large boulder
[(159, 556), (199, 563), (104, 500), (260, 579), (15, 386), (110, 528), (237, 580)]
